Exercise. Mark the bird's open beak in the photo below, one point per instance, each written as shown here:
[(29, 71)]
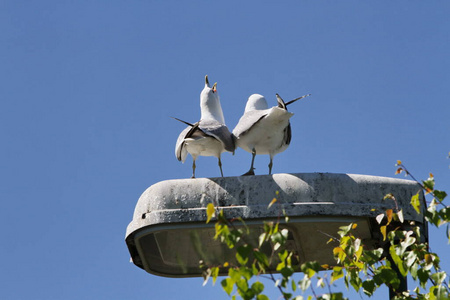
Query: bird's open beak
[(214, 88), (206, 81)]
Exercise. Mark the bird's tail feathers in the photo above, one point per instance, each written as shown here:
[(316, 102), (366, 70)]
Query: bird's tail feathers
[(281, 103)]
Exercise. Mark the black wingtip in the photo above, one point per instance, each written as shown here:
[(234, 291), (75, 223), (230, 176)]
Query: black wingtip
[(292, 101), (187, 123)]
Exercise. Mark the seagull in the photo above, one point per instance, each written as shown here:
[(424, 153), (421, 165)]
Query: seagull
[(209, 136), (263, 130)]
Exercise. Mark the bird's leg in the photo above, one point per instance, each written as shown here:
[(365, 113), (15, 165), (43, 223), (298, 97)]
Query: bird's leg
[(220, 166), (193, 169), (270, 165), (251, 171)]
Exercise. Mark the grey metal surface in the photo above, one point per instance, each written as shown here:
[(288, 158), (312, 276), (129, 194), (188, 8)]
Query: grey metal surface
[(300, 194)]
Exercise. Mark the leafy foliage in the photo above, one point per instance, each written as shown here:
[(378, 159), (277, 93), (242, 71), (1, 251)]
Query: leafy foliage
[(360, 267)]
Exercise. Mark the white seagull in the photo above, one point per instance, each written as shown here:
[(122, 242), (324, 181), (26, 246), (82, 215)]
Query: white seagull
[(209, 136), (263, 130)]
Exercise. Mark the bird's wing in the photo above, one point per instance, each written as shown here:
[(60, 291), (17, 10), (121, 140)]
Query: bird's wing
[(180, 151), (248, 120), (287, 135), (218, 131), (192, 131)]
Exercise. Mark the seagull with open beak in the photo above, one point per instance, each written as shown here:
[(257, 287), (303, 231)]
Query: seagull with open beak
[(209, 136)]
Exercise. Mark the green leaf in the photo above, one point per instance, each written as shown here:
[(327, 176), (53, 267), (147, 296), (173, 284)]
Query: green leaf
[(262, 297), (440, 195), (423, 276), (243, 253), (415, 202), (293, 285), (283, 254), (227, 285), (392, 235), (261, 258), (310, 268), (413, 270), (432, 215), (429, 184), (383, 232), (337, 296), (242, 285), (320, 282), (245, 272), (339, 254), (257, 287), (439, 293), (214, 274), (448, 233), (368, 287), (372, 256), (410, 258), (358, 252), (406, 243), (255, 270), (416, 231), (268, 228), (445, 214), (209, 212), (333, 296), (222, 231), (428, 261), (337, 273), (397, 260), (279, 238), (280, 266), (385, 275), (353, 278), (438, 278), (287, 272), (344, 230), (234, 274)]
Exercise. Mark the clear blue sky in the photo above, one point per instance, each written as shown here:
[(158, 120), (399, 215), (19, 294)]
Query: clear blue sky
[(88, 88)]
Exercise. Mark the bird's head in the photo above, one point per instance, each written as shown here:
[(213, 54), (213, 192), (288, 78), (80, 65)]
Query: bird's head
[(256, 102), (210, 102), (209, 93)]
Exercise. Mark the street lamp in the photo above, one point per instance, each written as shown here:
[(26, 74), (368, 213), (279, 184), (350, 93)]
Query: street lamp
[(168, 235)]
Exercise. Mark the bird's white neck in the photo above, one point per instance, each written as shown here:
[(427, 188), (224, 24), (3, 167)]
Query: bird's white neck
[(212, 110), (210, 105)]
